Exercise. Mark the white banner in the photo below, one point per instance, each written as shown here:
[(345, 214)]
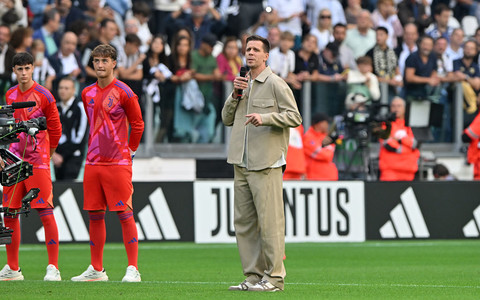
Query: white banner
[(314, 211)]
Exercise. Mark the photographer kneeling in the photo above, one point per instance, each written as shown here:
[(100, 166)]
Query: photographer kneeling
[(399, 153)]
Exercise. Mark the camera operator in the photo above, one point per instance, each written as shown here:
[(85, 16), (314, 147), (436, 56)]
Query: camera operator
[(398, 158), (36, 152)]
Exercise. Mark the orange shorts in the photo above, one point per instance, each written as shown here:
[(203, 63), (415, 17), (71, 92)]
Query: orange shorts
[(107, 185), (12, 195)]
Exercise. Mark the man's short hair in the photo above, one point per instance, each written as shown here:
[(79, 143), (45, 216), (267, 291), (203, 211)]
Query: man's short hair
[(364, 60), (265, 42), (132, 38), (426, 37), (441, 7), (381, 28), (141, 8), (49, 15), (67, 78), (104, 22), (104, 50), (339, 25), (287, 35), (320, 117), (22, 59)]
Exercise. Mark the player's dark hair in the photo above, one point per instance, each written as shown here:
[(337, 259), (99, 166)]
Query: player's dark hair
[(22, 59), (104, 50), (265, 42)]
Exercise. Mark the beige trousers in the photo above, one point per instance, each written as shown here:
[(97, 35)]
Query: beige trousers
[(260, 224)]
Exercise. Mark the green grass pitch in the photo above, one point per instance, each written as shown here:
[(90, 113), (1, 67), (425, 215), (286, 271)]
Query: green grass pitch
[(370, 270)]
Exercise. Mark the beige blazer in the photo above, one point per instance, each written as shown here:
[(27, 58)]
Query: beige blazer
[(264, 145)]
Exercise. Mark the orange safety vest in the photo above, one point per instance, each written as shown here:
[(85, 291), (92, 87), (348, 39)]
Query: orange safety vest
[(319, 159), (404, 161), (473, 154), (295, 158)]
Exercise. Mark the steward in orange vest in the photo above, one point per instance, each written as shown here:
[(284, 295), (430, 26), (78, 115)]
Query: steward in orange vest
[(399, 155), (295, 157), (472, 135), (319, 150)]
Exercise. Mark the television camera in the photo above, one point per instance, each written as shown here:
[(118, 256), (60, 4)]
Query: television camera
[(15, 169)]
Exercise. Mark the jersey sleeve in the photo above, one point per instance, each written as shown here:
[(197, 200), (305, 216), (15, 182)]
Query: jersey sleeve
[(54, 126), (134, 116)]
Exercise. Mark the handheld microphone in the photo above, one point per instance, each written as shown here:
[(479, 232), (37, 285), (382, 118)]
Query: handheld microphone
[(243, 73), (25, 104)]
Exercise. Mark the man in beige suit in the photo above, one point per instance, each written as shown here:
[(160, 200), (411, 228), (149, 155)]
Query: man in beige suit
[(261, 118)]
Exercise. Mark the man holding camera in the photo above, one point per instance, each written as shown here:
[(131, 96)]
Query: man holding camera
[(261, 117), (398, 159), (36, 152)]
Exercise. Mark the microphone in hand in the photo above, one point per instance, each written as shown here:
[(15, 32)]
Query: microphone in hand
[(243, 73)]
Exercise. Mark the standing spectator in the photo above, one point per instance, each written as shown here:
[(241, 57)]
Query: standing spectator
[(111, 108), (158, 86), (362, 38), (84, 34), (455, 49), (421, 80), (240, 14), (334, 6), (36, 152), (268, 19), (229, 61), (69, 155), (386, 16), (96, 13), (130, 64), (107, 32), (162, 10), (39, 8), (282, 60), (306, 64), (43, 73), (408, 46), (68, 14), (296, 168), (66, 62), (385, 63), (319, 149), (48, 33), (202, 20), (274, 36), (345, 54), (141, 12), (6, 59), (363, 81), (414, 12), (323, 31), (12, 13), (22, 39), (289, 12), (353, 9), (261, 119), (440, 26), (398, 158)]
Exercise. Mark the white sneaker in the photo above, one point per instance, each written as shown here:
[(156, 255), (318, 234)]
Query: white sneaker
[(8, 274), (53, 274), (264, 286), (91, 275), (243, 286), (132, 275)]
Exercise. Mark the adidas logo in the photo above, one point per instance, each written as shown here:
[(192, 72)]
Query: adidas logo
[(406, 219), (91, 101), (472, 228), (52, 242), (119, 203), (92, 244), (132, 241), (40, 201), (155, 220)]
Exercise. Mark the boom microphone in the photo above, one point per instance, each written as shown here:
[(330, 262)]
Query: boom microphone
[(25, 104), (243, 73)]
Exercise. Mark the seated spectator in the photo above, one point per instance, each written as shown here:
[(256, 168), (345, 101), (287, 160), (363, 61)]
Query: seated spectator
[(229, 61), (323, 31), (441, 172), (455, 49), (408, 46), (345, 54), (296, 167), (421, 80), (362, 38), (319, 149), (21, 39), (386, 16), (202, 20), (385, 63), (398, 158), (66, 61), (48, 33), (43, 73), (440, 26), (69, 155), (268, 19), (130, 64), (414, 12), (282, 60), (363, 81)]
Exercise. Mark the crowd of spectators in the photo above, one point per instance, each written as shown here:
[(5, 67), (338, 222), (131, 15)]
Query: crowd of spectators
[(177, 53)]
